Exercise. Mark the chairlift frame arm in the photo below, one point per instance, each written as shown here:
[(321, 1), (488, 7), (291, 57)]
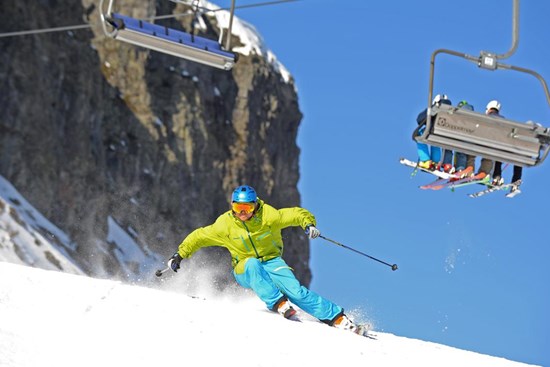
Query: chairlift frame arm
[(231, 12), (486, 60), (104, 18), (479, 60), (515, 32)]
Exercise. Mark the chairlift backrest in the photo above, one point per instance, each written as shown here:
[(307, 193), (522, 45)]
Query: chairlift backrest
[(170, 41), (491, 137)]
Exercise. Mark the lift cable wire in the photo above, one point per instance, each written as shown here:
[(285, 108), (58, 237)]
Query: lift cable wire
[(85, 26)]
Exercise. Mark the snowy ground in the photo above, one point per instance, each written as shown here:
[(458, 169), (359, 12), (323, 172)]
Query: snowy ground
[(50, 318)]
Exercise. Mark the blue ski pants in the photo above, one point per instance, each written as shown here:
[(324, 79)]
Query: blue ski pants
[(273, 279), (425, 152), (431, 153), (461, 161)]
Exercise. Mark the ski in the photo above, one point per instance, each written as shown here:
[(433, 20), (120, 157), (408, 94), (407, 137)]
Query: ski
[(436, 183), (414, 165), (490, 190), (453, 184), (493, 188), (514, 185), (371, 336), (458, 177), (513, 193), (447, 183), (294, 318), (471, 181), (363, 330)]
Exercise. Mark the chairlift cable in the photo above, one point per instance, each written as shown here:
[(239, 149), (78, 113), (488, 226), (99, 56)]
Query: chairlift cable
[(85, 26), (44, 30), (254, 5)]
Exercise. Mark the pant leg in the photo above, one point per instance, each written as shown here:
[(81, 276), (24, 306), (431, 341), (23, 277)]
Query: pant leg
[(447, 156), (471, 161), (423, 152), (422, 149), (307, 300), (259, 280), (460, 163), (517, 173), (497, 171), (486, 166), (435, 154)]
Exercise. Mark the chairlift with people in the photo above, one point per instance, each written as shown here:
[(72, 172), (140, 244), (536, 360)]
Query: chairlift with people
[(170, 41), (499, 139)]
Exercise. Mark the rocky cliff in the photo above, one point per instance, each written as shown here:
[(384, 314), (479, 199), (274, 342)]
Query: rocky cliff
[(93, 131)]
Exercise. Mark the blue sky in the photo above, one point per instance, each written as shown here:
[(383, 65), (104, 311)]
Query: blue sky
[(472, 272)]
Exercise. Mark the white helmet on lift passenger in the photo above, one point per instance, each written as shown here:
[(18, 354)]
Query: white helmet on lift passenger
[(494, 104), (441, 99)]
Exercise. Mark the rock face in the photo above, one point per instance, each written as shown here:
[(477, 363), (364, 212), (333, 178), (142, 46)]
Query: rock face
[(94, 130)]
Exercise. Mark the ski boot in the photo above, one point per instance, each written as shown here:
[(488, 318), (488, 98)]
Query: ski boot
[(285, 309)]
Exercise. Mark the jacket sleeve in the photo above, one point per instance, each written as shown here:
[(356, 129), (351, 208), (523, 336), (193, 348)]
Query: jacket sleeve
[(199, 238), (293, 217), (422, 117)]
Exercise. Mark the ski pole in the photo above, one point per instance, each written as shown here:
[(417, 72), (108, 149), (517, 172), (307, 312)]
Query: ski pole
[(159, 272), (393, 267)]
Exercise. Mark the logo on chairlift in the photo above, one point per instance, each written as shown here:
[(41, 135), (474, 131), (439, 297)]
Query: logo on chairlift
[(443, 123)]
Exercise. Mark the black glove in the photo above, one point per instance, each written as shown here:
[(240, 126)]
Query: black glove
[(174, 262)]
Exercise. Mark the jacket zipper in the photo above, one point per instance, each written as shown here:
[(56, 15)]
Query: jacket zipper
[(250, 238)]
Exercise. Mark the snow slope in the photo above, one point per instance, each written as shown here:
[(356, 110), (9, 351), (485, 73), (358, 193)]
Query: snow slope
[(50, 318)]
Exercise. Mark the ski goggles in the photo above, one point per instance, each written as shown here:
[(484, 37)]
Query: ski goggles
[(243, 207)]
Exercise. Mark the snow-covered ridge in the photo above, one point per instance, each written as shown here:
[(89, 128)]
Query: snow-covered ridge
[(251, 39), (50, 318), (27, 237)]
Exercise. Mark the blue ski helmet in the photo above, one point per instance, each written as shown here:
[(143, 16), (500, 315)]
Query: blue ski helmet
[(244, 194)]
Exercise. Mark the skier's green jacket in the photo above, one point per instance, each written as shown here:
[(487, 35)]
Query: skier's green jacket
[(259, 237)]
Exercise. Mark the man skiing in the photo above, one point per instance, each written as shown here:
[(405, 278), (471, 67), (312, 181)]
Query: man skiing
[(251, 231)]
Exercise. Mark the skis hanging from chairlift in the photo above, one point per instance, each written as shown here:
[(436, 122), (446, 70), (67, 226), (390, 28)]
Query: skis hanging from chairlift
[(499, 139), (170, 41)]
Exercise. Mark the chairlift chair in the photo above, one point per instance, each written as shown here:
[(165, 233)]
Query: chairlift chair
[(499, 139), (170, 41)]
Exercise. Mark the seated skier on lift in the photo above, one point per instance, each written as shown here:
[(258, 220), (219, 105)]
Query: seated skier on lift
[(493, 108), (430, 157)]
